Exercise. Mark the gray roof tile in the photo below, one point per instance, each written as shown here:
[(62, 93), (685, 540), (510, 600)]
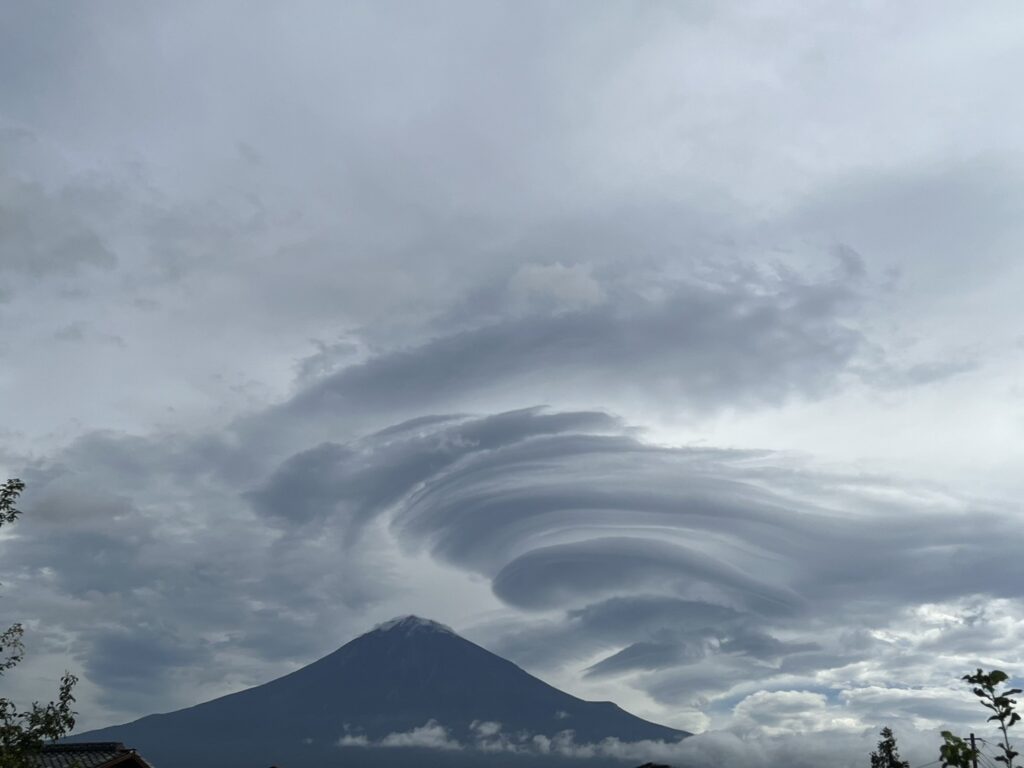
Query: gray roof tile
[(85, 755)]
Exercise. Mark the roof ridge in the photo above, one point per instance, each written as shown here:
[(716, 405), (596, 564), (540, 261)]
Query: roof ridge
[(85, 746)]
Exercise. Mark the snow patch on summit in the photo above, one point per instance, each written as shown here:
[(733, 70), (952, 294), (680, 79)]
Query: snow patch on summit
[(411, 624)]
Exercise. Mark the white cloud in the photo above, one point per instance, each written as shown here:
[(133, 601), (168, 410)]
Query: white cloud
[(430, 735), (779, 712), (485, 728), (844, 747), (350, 740)]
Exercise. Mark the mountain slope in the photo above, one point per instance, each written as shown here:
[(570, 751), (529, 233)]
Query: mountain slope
[(393, 680)]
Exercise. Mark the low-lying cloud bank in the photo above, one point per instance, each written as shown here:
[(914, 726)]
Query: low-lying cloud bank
[(843, 748), (430, 735)]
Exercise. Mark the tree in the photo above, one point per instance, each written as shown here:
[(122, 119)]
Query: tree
[(22, 733), (955, 753), (887, 755), (985, 688), (985, 685)]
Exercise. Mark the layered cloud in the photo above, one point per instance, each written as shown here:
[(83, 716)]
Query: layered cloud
[(714, 581), (696, 345), (562, 508)]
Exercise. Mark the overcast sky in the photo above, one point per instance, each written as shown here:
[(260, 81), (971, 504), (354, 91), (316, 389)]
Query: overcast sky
[(673, 350)]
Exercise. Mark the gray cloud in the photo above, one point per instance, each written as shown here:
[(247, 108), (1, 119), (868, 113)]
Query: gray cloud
[(647, 655), (603, 626), (681, 648), (895, 377), (701, 346), (735, 533), (759, 568), (658, 556), (359, 481), (946, 212), (136, 662), (43, 233), (556, 575), (160, 587)]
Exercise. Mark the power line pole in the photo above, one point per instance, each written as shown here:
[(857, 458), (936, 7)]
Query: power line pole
[(974, 752)]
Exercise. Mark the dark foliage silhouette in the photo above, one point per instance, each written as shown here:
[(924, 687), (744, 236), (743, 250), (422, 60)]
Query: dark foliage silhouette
[(887, 755), (955, 753), (22, 732)]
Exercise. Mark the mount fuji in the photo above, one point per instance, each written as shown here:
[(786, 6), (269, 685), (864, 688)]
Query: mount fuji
[(409, 692)]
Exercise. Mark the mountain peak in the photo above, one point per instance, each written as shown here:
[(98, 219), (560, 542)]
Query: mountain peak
[(396, 686), (409, 624)]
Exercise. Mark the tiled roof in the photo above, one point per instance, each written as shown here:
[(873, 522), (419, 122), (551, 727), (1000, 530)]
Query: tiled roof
[(87, 755)]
